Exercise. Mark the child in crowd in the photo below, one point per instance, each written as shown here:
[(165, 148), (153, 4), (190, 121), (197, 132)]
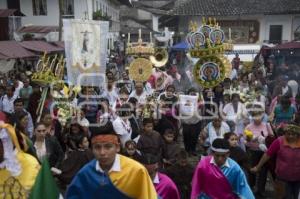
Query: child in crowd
[(236, 153), (181, 173), (150, 141), (131, 150), (170, 147)]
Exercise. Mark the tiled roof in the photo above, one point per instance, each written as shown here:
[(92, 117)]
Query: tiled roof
[(13, 49), (236, 7), (38, 29)]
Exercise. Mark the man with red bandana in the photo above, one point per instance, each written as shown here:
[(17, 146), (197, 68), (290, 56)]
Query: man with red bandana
[(110, 175)]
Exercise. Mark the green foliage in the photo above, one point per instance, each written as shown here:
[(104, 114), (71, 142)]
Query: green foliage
[(98, 15)]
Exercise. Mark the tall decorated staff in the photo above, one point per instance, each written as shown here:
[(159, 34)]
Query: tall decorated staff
[(147, 57), (140, 68), (49, 71), (207, 43)]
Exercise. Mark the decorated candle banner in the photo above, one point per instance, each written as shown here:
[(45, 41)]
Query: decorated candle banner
[(207, 43)]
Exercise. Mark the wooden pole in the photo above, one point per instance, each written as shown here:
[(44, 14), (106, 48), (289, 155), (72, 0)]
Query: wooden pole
[(39, 110)]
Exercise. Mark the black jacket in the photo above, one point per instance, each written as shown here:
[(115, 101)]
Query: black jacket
[(54, 151)]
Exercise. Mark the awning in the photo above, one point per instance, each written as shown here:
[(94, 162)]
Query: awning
[(41, 46), (60, 44), (10, 12), (38, 29), (13, 50), (288, 45), (3, 56)]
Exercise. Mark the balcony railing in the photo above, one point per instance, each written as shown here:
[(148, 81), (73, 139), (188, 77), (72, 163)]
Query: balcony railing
[(275, 41), (68, 16)]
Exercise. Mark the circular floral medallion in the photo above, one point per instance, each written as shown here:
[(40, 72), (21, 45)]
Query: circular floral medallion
[(197, 39), (217, 36), (209, 71)]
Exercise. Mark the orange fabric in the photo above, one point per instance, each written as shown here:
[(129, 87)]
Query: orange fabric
[(105, 138)]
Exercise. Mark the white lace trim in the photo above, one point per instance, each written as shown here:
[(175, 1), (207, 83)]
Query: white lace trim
[(10, 162)]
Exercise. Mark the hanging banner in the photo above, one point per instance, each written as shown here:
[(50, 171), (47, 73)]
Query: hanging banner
[(86, 51), (188, 105)]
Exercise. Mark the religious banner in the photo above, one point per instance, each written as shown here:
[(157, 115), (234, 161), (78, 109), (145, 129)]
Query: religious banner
[(188, 104), (86, 51)]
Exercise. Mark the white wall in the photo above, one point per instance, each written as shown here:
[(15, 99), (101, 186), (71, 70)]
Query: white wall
[(264, 21), (51, 19), (144, 15), (284, 20), (3, 4), (81, 7), (296, 24), (155, 22)]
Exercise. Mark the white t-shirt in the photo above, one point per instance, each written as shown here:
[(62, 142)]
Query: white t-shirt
[(7, 104), (233, 74), (142, 99), (231, 115), (123, 129), (17, 90), (213, 134)]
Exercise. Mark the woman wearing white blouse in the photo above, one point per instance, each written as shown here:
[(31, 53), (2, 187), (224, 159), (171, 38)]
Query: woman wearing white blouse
[(235, 112), (47, 146)]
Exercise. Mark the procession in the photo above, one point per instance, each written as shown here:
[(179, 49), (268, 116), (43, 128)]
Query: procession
[(149, 99)]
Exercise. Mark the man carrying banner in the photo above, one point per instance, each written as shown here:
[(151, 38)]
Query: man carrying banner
[(218, 176), (110, 175)]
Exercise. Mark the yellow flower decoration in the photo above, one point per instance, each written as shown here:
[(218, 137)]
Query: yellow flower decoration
[(248, 134)]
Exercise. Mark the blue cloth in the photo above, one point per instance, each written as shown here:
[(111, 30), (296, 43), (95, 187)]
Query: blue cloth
[(92, 184), (285, 117), (182, 46), (237, 180)]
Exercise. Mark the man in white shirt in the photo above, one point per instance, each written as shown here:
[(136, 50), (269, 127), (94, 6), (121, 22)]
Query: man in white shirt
[(18, 86), (7, 102), (139, 93), (215, 129), (122, 125)]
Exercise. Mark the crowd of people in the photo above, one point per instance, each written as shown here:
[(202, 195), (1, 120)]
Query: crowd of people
[(133, 139)]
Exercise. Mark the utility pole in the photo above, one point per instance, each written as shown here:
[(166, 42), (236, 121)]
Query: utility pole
[(60, 5)]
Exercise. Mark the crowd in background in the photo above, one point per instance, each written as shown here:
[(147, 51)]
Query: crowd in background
[(275, 102)]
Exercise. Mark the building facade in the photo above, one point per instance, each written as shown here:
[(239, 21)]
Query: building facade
[(46, 12), (252, 23)]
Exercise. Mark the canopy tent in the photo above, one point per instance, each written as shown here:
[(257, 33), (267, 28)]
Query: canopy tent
[(182, 46), (13, 50), (41, 46), (288, 45)]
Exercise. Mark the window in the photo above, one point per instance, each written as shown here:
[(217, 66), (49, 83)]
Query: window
[(39, 7), (68, 7), (275, 35), (13, 4)]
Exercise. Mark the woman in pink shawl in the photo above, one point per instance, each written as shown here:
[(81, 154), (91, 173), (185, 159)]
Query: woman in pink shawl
[(165, 187)]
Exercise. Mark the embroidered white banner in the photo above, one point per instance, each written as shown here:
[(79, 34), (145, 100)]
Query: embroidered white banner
[(86, 50)]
